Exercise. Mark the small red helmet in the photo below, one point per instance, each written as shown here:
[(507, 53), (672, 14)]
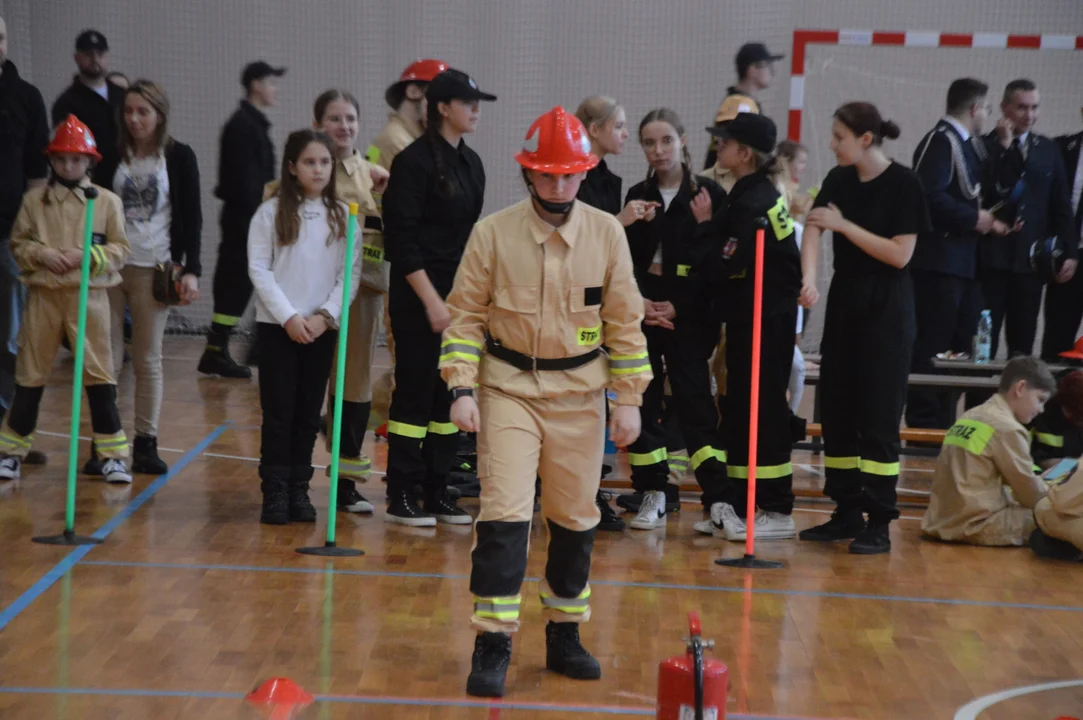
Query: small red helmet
[(557, 143), (419, 71), (72, 136)]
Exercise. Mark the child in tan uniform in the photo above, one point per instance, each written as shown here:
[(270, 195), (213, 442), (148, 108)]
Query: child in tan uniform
[(47, 242)]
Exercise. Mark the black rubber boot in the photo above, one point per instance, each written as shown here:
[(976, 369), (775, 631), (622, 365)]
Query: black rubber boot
[(276, 502), (489, 666), (843, 525), (219, 362), (145, 457), (564, 654)]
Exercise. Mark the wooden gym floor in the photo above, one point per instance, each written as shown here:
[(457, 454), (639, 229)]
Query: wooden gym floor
[(190, 603)]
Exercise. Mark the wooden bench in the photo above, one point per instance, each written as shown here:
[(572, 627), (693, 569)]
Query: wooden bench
[(993, 367), (921, 435)]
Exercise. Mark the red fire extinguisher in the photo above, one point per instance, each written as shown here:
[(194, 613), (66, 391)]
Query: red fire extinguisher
[(691, 687)]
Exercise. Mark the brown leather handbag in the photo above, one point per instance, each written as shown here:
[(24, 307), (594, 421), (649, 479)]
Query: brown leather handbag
[(166, 284)]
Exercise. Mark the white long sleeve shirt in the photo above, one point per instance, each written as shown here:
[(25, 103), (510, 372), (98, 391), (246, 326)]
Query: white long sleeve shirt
[(300, 278)]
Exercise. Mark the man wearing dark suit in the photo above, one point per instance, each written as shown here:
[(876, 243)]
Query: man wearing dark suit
[(1064, 303), (947, 294), (1029, 190)]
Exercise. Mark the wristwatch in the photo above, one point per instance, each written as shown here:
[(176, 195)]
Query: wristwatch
[(327, 316), (459, 392)]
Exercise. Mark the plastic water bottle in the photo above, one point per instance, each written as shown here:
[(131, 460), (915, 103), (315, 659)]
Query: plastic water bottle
[(983, 339)]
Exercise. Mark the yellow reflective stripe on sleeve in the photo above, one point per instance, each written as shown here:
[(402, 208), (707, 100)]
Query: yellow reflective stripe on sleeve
[(650, 458), (970, 435), (573, 606), (498, 608), (683, 270), (781, 222), (872, 467), (465, 349), (1049, 439), (406, 430), (704, 454), (227, 320), (763, 472), (842, 463), (372, 154), (629, 364), (98, 263), (443, 428)]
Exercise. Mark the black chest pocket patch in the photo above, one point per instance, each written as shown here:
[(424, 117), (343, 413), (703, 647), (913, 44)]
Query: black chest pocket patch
[(98, 238), (592, 296)]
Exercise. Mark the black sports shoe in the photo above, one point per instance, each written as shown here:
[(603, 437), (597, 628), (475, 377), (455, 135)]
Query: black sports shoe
[(610, 519), (219, 362), (446, 510), (489, 665), (349, 500), (301, 508), (145, 457), (873, 541), (1053, 548), (564, 653), (403, 510), (630, 502), (35, 457), (93, 465), (841, 526), (276, 503)]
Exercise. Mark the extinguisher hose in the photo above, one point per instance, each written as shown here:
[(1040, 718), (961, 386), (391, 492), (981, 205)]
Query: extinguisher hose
[(697, 675)]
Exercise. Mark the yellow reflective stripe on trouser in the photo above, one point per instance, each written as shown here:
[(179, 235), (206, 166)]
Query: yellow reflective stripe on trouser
[(354, 466), (228, 320), (13, 442), (572, 606), (1056, 441), (443, 428), (970, 435), (677, 460), (650, 458), (464, 349), (872, 467), (763, 472), (112, 443), (628, 364), (842, 463), (704, 454), (395, 427), (498, 608)]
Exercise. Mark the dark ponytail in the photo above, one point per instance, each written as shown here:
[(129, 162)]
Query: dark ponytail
[(434, 120), (863, 117)]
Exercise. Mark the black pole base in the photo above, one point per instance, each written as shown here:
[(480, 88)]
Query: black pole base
[(331, 550), (749, 562), (68, 537)]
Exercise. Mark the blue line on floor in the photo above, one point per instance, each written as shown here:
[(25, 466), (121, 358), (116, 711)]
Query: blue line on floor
[(374, 700), (35, 591), (615, 583)]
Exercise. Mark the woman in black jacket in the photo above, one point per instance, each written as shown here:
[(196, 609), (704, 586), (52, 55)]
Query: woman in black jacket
[(671, 254), (432, 201), (158, 182)]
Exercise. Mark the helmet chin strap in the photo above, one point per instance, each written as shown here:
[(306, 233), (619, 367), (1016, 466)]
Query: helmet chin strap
[(547, 205)]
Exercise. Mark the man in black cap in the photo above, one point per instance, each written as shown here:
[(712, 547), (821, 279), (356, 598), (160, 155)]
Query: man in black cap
[(246, 162), (95, 101), (755, 70), (22, 166)]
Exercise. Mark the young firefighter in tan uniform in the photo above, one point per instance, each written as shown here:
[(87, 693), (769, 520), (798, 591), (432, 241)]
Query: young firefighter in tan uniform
[(542, 287), (985, 451), (47, 242), (1059, 516)]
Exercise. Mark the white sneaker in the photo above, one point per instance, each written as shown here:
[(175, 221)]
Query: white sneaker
[(652, 513), (714, 524), (774, 526), (115, 471), (9, 467), (733, 527)]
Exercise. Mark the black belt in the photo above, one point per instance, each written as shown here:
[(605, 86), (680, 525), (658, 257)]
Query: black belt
[(532, 364)]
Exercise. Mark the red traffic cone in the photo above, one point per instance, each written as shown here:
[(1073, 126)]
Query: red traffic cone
[(281, 696)]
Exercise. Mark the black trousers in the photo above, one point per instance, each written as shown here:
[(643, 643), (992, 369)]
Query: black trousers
[(232, 288), (102, 399), (867, 346), (421, 440), (292, 383), (683, 355), (1063, 313), (774, 442), (947, 310), (1014, 300)]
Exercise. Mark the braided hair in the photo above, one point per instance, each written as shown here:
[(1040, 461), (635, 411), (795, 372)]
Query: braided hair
[(671, 118), (434, 120)]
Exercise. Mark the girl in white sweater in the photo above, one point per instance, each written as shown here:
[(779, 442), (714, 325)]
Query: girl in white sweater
[(296, 258)]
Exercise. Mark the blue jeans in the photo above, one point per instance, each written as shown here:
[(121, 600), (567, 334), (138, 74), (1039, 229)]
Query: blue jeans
[(12, 301)]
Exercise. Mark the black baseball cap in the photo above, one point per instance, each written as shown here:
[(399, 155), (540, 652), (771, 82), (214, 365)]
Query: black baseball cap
[(259, 70), (454, 84), (91, 40), (756, 131), (752, 53)]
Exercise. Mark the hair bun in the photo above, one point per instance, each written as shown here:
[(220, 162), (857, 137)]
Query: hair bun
[(889, 130)]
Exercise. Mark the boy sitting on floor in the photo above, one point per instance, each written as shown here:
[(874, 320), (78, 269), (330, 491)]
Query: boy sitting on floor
[(986, 452)]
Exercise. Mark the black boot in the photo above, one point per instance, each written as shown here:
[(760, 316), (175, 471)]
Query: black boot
[(145, 456), (630, 502), (1052, 548), (610, 520), (301, 508), (489, 666), (873, 541), (843, 525), (93, 466), (276, 502), (218, 362), (564, 653)]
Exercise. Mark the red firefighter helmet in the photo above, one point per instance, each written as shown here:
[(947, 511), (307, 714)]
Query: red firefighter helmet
[(419, 71), (557, 143), (72, 136)]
